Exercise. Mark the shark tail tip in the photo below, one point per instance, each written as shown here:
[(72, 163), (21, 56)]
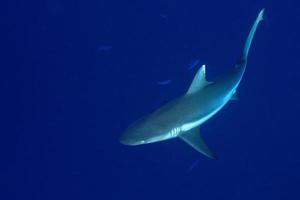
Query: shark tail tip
[(261, 14)]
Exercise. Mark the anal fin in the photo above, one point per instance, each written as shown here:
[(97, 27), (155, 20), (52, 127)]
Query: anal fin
[(194, 139), (235, 96)]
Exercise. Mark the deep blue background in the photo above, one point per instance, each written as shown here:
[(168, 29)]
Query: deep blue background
[(64, 103)]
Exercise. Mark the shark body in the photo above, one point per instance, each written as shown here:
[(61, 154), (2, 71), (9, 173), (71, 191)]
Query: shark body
[(183, 116)]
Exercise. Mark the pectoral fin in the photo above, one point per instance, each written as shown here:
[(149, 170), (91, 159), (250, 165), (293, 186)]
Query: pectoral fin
[(194, 139)]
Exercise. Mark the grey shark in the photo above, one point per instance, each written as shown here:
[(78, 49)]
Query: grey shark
[(183, 116)]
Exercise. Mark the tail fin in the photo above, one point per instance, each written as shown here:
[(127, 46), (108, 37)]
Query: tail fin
[(243, 58)]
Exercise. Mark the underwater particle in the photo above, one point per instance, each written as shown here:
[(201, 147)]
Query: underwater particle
[(104, 48), (164, 82)]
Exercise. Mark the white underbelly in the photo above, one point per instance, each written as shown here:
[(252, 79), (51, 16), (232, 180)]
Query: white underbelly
[(190, 125)]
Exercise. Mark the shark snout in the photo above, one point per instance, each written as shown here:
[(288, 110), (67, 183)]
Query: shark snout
[(131, 138), (127, 139), (124, 139)]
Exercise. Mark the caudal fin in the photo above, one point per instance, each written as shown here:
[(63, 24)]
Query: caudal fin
[(243, 58)]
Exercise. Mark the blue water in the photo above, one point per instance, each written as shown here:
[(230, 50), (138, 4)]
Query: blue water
[(75, 74)]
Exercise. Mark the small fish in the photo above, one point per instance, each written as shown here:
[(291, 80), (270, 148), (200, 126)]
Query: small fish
[(195, 163), (164, 17), (194, 64), (164, 82), (104, 48)]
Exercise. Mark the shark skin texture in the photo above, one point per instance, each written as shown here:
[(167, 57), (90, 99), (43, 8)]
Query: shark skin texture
[(183, 116)]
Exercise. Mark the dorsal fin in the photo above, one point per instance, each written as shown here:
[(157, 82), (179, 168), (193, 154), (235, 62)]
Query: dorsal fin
[(199, 81)]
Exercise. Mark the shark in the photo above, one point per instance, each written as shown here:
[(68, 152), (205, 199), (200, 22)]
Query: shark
[(183, 116)]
